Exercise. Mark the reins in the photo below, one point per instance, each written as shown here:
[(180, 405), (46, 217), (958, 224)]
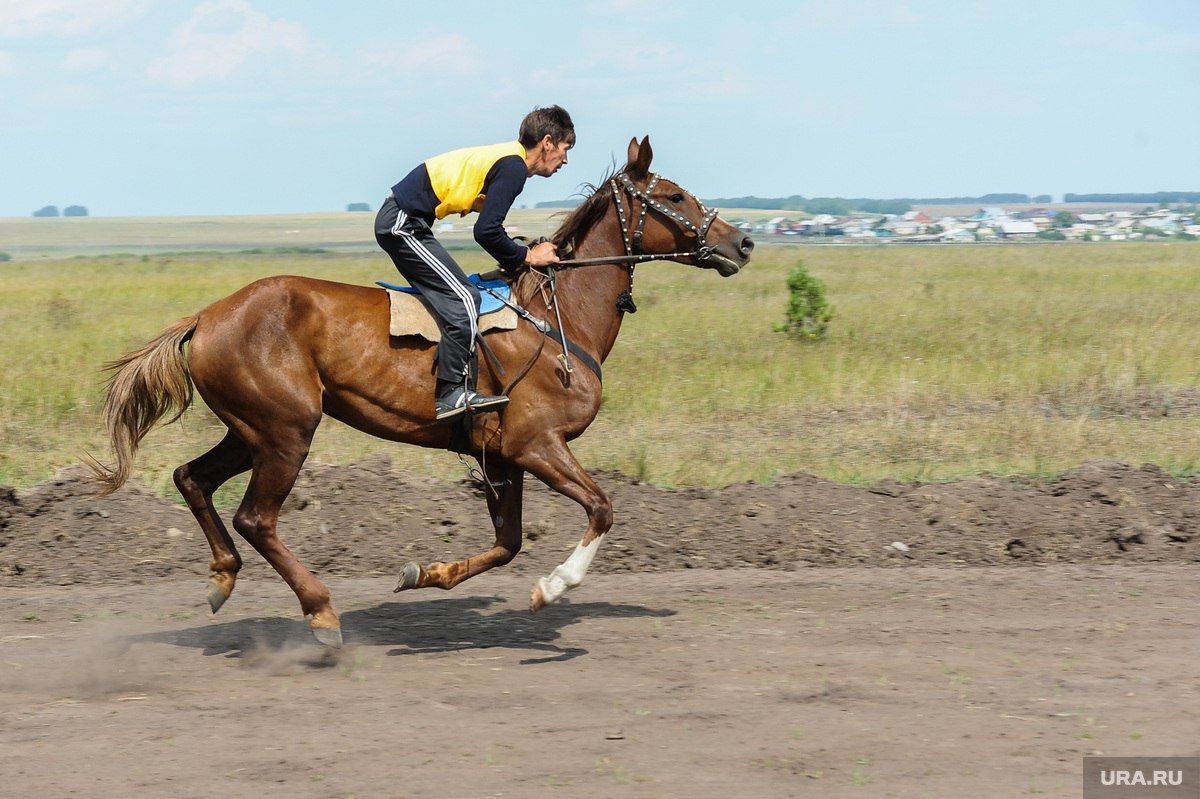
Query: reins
[(568, 263)]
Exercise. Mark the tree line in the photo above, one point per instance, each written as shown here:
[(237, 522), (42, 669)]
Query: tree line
[(70, 210), (1154, 198)]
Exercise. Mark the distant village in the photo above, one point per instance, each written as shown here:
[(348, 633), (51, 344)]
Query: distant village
[(991, 224)]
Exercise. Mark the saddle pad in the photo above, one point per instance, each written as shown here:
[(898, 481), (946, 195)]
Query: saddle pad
[(411, 316), (489, 304)]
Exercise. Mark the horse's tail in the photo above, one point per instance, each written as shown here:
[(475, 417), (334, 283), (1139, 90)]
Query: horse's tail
[(146, 385)]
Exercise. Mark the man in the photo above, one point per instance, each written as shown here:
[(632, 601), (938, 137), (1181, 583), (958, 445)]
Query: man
[(485, 179)]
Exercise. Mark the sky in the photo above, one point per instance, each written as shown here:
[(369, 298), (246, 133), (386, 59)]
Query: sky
[(213, 107)]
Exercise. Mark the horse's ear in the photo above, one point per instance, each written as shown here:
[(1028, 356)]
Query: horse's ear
[(640, 156)]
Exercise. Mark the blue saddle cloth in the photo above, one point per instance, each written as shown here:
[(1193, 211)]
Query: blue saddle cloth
[(488, 304)]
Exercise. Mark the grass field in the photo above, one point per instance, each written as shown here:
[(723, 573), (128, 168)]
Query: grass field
[(941, 361)]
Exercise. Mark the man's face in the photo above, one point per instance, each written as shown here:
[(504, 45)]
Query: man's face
[(554, 157)]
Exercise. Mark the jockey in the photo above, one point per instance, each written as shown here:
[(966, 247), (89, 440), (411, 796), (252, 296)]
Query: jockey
[(485, 179)]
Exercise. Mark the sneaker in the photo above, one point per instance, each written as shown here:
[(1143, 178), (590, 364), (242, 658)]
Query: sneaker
[(457, 401)]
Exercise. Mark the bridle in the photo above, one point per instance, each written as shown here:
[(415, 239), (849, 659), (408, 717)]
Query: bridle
[(633, 241), (621, 185)]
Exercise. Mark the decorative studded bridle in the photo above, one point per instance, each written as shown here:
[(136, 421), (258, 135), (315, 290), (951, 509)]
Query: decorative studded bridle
[(623, 184)]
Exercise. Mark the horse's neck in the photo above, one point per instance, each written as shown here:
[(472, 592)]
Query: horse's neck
[(588, 295)]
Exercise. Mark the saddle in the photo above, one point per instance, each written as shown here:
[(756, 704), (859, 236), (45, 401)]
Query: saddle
[(412, 316)]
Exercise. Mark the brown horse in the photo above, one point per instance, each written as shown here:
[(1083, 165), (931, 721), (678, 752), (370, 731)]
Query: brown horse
[(273, 357)]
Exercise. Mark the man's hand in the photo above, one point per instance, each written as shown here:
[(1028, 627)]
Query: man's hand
[(543, 254)]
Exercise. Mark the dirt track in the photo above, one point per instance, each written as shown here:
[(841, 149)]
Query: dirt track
[(748, 641)]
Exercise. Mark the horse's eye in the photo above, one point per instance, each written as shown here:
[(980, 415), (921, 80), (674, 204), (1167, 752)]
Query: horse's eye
[(676, 197)]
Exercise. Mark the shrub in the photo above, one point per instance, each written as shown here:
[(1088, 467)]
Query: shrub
[(808, 313), (5, 257)]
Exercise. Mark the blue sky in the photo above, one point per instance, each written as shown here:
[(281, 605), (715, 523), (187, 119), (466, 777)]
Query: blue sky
[(138, 107)]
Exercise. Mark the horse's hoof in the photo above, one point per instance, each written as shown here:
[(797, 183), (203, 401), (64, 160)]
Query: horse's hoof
[(537, 600), (329, 636), (216, 596), (410, 575)]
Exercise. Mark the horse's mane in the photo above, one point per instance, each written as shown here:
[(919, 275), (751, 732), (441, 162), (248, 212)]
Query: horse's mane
[(578, 222), (584, 216)]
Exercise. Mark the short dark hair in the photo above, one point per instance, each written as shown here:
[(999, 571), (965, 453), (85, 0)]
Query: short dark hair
[(540, 122)]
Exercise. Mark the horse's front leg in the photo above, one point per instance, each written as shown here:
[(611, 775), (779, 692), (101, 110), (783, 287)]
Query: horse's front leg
[(556, 466), (505, 509)]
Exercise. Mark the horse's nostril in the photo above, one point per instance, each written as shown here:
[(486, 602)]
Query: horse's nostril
[(747, 245)]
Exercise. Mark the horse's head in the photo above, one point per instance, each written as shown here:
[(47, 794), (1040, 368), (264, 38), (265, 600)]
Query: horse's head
[(659, 216)]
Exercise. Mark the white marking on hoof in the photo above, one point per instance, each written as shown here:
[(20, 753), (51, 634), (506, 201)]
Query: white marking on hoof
[(565, 576), (537, 600), (551, 588)]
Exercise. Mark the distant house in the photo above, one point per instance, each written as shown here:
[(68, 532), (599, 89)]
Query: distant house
[(957, 236), (912, 223), (772, 225), (917, 216), (1018, 229)]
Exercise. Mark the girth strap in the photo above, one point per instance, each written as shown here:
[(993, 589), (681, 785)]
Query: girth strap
[(576, 350), (552, 332)]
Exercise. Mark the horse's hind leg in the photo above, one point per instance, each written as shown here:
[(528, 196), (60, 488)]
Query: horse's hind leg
[(196, 481), (505, 509)]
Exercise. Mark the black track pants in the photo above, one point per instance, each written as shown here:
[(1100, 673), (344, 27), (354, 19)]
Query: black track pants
[(424, 262)]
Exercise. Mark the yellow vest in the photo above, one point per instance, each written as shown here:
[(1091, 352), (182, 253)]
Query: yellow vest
[(457, 176)]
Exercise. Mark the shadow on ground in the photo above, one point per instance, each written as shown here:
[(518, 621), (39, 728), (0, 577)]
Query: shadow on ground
[(413, 628)]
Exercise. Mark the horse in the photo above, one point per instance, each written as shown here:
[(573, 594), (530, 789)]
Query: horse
[(273, 358)]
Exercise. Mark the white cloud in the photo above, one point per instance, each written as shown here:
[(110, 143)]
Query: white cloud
[(445, 54), (86, 59), (220, 38), (20, 18)]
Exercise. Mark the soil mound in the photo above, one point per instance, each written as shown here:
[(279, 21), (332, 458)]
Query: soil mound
[(367, 519)]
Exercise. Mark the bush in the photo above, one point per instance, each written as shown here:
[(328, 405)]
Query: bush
[(5, 257), (75, 210), (808, 313), (358, 207), (1052, 235), (49, 210)]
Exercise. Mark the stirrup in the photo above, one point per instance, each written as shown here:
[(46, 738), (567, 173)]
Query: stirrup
[(460, 400)]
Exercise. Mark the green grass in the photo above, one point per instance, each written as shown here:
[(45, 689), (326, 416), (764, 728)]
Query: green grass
[(940, 362)]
